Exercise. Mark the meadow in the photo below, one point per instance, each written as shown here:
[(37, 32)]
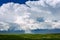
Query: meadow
[(29, 36)]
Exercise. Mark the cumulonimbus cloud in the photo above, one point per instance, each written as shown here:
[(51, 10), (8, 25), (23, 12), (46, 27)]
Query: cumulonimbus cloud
[(42, 14)]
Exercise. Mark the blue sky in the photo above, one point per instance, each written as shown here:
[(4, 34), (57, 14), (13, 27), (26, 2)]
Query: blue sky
[(15, 1)]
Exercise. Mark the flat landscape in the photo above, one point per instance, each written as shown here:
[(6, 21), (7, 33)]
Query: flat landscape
[(29, 36)]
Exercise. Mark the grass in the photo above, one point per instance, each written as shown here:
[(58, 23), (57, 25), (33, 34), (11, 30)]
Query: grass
[(29, 36)]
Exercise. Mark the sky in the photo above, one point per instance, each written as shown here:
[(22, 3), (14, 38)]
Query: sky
[(15, 1), (29, 15)]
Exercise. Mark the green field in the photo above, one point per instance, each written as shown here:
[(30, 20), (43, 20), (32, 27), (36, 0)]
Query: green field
[(29, 36)]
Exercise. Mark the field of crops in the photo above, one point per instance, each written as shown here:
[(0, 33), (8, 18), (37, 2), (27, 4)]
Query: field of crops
[(29, 36)]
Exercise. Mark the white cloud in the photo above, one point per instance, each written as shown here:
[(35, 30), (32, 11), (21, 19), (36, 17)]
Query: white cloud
[(4, 26), (26, 17)]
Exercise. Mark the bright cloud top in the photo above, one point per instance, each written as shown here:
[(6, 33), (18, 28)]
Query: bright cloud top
[(42, 14)]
